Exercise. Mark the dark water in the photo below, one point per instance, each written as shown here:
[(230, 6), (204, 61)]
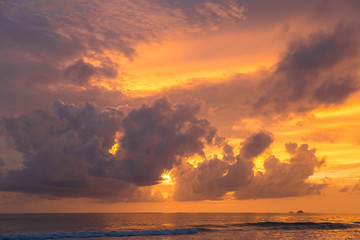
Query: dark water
[(180, 226)]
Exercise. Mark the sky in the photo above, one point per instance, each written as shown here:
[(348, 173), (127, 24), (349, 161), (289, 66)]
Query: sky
[(179, 106)]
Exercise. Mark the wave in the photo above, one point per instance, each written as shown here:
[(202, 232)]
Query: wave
[(187, 231), (303, 225), (93, 234), (280, 226)]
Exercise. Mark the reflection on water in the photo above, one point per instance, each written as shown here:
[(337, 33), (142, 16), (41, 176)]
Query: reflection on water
[(180, 226)]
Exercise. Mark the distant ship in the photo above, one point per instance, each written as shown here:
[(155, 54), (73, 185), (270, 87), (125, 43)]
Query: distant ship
[(300, 211)]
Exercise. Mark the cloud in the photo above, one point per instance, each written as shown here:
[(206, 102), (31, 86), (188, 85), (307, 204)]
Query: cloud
[(351, 188), (66, 151), (2, 167), (214, 178), (285, 179), (51, 50), (66, 154), (207, 13), (256, 144), (201, 183), (81, 72), (317, 71), (356, 187), (157, 137), (43, 51)]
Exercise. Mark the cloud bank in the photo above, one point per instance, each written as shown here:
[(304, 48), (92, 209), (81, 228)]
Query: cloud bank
[(214, 178), (66, 154), (66, 151), (51, 50), (317, 71)]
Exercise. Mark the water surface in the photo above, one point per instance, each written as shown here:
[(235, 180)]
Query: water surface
[(110, 226)]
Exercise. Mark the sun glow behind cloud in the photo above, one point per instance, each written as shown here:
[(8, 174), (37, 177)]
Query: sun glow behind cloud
[(116, 145), (167, 179), (114, 148), (235, 68)]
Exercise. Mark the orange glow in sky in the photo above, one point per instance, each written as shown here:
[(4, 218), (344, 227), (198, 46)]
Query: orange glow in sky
[(249, 106)]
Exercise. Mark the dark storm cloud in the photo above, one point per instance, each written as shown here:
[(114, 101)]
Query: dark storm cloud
[(66, 152), (316, 71), (156, 137), (336, 91), (256, 144), (320, 51), (213, 178)]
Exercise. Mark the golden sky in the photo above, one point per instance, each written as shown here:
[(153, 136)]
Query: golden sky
[(179, 106)]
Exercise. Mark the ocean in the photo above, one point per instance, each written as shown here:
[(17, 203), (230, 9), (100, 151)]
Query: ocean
[(109, 226)]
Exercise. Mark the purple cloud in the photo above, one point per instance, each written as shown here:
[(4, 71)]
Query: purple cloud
[(214, 178), (66, 151)]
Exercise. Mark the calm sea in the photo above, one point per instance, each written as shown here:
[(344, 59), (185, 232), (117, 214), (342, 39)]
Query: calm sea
[(180, 226)]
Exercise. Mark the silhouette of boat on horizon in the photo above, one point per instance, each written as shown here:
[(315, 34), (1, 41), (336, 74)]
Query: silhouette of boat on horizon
[(300, 211)]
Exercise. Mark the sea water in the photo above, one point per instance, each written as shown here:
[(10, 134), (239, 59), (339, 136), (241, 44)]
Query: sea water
[(109, 226)]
